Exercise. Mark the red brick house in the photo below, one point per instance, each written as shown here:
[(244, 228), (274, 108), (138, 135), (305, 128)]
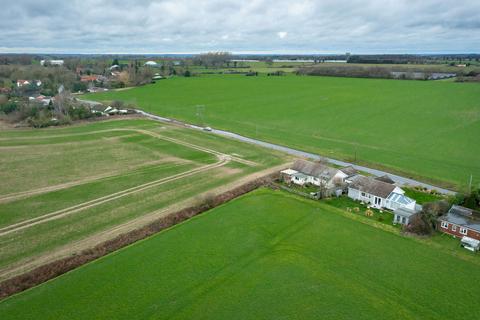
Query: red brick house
[(460, 222)]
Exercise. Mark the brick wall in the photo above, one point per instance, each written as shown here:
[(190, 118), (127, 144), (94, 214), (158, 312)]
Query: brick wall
[(470, 233)]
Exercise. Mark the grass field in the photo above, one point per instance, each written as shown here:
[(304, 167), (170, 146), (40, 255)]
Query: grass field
[(420, 129), (64, 185), (266, 255)]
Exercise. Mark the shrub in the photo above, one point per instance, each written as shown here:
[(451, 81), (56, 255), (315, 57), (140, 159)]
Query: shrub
[(369, 212), (8, 107), (419, 225), (117, 104)]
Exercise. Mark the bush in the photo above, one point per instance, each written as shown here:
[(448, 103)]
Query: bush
[(8, 107), (117, 104), (419, 225), (79, 113)]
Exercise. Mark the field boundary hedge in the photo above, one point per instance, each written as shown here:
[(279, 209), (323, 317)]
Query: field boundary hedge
[(56, 268)]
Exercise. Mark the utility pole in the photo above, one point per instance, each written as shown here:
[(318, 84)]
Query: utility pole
[(199, 113)]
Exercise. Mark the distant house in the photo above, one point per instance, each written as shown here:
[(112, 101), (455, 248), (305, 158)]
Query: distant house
[(460, 222), (151, 64), (45, 100), (52, 62), (96, 89), (23, 83), (91, 78), (379, 194), (5, 90)]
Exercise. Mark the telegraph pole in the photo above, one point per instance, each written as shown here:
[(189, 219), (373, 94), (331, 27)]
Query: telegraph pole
[(200, 112)]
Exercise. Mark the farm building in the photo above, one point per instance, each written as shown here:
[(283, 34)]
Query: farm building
[(379, 194), (460, 222)]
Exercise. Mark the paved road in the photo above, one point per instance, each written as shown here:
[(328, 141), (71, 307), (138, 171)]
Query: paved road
[(398, 179)]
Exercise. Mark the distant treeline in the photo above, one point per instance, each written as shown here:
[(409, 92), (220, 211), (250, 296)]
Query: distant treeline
[(385, 71)]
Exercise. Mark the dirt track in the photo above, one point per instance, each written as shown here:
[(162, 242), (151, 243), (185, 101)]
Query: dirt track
[(89, 242), (223, 159), (85, 205)]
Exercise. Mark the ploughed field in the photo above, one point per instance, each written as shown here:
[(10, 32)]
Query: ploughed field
[(63, 187), (266, 255), (422, 129)]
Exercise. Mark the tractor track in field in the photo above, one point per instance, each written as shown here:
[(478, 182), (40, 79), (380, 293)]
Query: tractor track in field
[(24, 194), (223, 159), (66, 250), (25, 224)]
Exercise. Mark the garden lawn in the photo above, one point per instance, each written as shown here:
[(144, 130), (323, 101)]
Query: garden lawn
[(422, 129), (266, 255)]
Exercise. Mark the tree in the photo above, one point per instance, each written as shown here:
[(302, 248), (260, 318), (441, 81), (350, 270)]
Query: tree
[(115, 62)]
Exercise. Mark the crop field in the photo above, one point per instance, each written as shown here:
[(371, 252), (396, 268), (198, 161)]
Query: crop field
[(426, 130), (62, 187), (266, 255)]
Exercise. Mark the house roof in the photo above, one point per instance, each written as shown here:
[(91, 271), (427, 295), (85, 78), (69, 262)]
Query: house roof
[(88, 78), (385, 178), (349, 171), (314, 169), (372, 186), (400, 198), (404, 212), (464, 217), (289, 171)]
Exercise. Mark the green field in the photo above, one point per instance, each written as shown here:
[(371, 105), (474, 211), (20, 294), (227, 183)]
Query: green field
[(113, 172), (266, 255), (421, 129)]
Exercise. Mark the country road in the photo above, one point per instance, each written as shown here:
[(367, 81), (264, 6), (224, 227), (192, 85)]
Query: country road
[(400, 180)]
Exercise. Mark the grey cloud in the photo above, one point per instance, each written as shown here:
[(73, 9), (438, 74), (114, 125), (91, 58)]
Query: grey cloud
[(240, 26)]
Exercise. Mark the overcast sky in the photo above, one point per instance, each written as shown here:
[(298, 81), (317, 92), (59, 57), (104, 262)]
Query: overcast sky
[(265, 26)]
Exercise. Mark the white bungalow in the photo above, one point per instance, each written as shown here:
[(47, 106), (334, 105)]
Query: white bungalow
[(379, 194)]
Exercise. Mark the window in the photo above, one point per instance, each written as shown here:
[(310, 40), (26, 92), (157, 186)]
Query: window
[(397, 218), (444, 225), (454, 227), (404, 221), (463, 230), (363, 194)]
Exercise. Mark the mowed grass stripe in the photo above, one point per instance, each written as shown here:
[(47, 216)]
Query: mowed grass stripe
[(267, 255)]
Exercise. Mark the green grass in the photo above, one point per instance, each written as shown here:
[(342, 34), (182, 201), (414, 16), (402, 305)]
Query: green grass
[(47, 157), (266, 255), (419, 129), (422, 197)]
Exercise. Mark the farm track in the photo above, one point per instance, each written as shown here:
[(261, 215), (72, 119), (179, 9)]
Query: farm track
[(223, 159), (66, 185), (92, 203), (23, 194), (110, 233)]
